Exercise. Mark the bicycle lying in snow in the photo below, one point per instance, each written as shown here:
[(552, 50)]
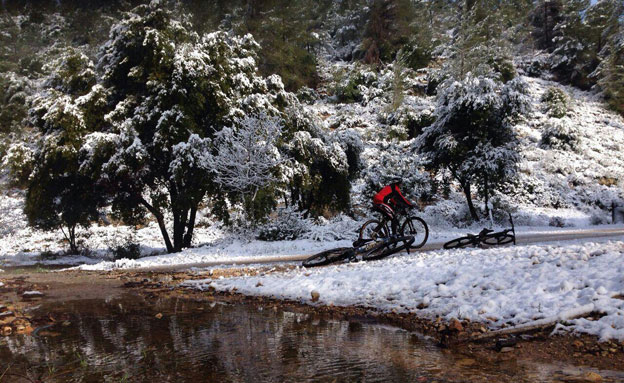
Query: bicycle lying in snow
[(378, 239), (485, 236)]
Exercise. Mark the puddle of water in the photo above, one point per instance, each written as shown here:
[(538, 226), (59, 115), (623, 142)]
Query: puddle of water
[(116, 340)]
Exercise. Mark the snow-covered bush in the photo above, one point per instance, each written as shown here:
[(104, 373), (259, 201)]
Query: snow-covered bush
[(19, 161), (14, 90), (398, 160), (352, 86), (337, 228), (353, 146), (556, 102), (288, 224), (561, 134), (534, 65), (307, 95), (416, 122)]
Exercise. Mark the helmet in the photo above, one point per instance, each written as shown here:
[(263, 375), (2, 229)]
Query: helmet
[(396, 181)]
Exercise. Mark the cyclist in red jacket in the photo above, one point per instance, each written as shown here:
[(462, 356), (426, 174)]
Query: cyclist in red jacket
[(388, 199)]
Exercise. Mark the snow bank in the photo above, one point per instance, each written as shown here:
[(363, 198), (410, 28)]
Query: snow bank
[(509, 286), (225, 252)]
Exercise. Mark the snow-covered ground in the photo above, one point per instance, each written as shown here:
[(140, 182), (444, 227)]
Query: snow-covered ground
[(510, 286)]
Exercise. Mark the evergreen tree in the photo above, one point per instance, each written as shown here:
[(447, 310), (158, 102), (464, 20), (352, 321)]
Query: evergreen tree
[(545, 16), (170, 92), (477, 46), (60, 194), (472, 137), (388, 28)]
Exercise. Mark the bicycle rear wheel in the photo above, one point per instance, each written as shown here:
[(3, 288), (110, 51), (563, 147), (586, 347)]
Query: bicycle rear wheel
[(459, 243), (498, 240), (371, 230), (417, 228), (329, 256)]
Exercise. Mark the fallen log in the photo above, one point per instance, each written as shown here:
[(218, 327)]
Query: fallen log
[(577, 312)]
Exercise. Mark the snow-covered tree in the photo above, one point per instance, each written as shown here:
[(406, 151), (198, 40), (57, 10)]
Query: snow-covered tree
[(171, 92), (610, 71), (60, 195), (544, 17), (472, 137), (478, 46), (318, 170), (247, 159)]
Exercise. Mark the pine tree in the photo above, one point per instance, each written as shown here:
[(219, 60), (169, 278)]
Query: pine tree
[(388, 28), (545, 16)]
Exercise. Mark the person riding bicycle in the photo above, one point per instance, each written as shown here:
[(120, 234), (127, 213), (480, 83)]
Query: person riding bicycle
[(388, 199)]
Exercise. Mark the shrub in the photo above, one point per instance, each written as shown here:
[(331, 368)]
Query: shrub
[(560, 134), (19, 161), (307, 95), (556, 102), (416, 55), (288, 225), (128, 250), (416, 122), (350, 90)]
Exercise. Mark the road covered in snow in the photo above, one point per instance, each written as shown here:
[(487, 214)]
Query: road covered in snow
[(499, 286), (238, 252)]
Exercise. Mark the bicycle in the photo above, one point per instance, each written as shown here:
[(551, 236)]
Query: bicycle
[(371, 250), (485, 236), (407, 226)]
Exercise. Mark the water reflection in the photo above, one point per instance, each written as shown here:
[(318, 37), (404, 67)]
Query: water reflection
[(118, 340)]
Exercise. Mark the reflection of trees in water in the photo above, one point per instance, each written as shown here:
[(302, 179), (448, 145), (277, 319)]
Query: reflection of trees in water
[(226, 343)]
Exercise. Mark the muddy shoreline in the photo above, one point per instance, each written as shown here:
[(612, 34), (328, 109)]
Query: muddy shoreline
[(456, 337)]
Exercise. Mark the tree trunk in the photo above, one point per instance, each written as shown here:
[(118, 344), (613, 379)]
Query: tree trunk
[(188, 237), (179, 226), (161, 224), (473, 211), (486, 195), (70, 236)]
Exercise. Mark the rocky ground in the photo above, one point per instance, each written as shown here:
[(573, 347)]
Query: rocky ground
[(22, 291)]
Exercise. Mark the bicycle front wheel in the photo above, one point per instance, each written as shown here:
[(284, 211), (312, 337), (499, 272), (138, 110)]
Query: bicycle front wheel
[(459, 243), (391, 247), (498, 240), (417, 228), (329, 256)]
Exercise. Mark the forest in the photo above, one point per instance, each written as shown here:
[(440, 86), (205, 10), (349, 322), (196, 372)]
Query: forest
[(273, 117)]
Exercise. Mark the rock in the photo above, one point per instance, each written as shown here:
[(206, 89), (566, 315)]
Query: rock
[(6, 314), (3, 308), (465, 362), (66, 323), (591, 377), (158, 316), (315, 295), (578, 344), (456, 325), (6, 331), (482, 329), (506, 349), (259, 284)]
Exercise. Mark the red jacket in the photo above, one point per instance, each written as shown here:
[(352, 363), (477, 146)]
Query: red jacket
[(390, 195)]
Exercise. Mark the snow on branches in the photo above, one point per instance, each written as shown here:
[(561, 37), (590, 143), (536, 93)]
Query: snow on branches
[(247, 157)]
